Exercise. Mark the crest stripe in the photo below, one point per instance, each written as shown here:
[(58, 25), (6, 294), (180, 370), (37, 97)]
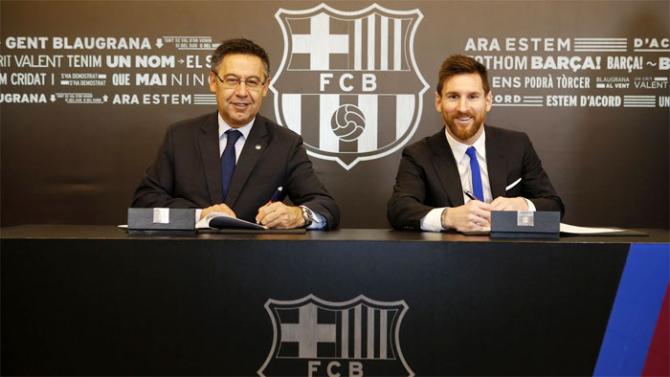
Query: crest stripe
[(387, 120), (351, 146), (371, 42), (371, 333), (344, 330), (352, 330), (291, 106), (328, 103), (397, 44), (358, 49), (405, 110), (383, 336), (368, 140), (310, 134), (384, 40), (358, 341)]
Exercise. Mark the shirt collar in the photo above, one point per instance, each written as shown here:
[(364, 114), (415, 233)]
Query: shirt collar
[(223, 127), (458, 148)]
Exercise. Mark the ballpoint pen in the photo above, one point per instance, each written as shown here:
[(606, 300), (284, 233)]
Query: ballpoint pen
[(469, 195), (277, 195)]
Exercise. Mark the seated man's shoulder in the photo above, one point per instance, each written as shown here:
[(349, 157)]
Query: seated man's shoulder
[(280, 132), (426, 146), (514, 143), (188, 125), (492, 131)]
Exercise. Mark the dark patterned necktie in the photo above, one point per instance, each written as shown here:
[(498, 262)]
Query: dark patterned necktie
[(228, 161)]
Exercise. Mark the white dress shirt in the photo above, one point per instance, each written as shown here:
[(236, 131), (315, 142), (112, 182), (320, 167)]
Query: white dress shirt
[(239, 144), (432, 221)]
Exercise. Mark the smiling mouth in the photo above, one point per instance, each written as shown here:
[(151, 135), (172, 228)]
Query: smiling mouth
[(241, 106), (464, 119)]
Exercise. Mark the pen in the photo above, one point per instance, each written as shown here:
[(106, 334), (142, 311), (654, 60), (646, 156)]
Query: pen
[(277, 195), (469, 195)]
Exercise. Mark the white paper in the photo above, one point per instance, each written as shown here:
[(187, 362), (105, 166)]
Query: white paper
[(230, 222), (573, 229)]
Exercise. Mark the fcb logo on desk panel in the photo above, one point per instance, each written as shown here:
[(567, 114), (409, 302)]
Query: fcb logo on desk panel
[(348, 81), (315, 337)]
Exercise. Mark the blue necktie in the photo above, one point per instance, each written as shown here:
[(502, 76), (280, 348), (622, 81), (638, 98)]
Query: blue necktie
[(228, 161), (476, 175)]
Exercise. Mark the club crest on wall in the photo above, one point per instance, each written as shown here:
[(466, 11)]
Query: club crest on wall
[(348, 81)]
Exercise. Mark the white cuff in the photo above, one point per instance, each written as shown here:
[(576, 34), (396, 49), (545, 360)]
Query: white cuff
[(531, 206), (432, 222), (318, 221)]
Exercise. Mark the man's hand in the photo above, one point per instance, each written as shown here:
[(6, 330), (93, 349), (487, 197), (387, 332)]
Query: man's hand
[(279, 215), (217, 208), (509, 204), (474, 215)]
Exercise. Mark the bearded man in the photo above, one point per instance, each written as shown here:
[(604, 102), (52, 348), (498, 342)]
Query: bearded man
[(455, 178)]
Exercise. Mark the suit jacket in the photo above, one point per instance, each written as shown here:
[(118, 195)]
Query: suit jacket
[(428, 176), (187, 171)]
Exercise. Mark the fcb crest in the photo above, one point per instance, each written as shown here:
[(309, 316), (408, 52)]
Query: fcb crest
[(359, 337), (348, 81)]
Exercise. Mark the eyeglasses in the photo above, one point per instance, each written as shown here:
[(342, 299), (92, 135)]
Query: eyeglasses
[(233, 82)]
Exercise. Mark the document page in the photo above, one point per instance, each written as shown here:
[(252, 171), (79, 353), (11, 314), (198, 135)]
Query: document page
[(219, 220), (573, 229)]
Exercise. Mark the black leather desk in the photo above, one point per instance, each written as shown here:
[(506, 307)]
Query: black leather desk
[(93, 300)]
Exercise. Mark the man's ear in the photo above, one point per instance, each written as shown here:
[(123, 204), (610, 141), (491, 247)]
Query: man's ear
[(266, 86), (438, 102), (212, 82)]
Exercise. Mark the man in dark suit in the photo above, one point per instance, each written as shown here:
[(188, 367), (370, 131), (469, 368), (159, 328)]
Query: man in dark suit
[(455, 178), (234, 161)]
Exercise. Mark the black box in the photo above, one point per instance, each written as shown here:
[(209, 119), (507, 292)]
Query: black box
[(171, 219), (525, 224)]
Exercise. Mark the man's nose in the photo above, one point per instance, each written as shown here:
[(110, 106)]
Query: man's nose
[(242, 89), (462, 105)]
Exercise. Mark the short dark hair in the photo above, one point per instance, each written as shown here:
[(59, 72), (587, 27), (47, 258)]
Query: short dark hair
[(459, 64), (240, 46)]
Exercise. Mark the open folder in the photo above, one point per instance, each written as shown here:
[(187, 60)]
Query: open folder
[(219, 220)]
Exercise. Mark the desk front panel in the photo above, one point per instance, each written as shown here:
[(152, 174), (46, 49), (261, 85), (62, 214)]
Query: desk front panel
[(144, 306)]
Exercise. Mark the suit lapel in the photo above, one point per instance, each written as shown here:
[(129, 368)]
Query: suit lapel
[(208, 143), (445, 166), (495, 162), (251, 153)]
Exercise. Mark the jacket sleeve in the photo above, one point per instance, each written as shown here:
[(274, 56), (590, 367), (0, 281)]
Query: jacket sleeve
[(406, 207), (536, 185), (304, 187), (157, 186)]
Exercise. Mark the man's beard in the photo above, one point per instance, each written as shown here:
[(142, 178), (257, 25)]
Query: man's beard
[(465, 133)]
